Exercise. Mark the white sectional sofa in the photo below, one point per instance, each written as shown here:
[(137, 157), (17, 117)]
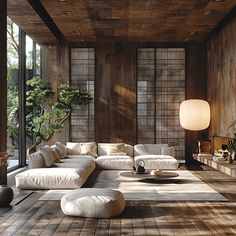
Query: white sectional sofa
[(155, 156), (68, 167)]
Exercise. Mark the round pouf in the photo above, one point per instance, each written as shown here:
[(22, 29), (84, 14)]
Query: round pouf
[(93, 202)]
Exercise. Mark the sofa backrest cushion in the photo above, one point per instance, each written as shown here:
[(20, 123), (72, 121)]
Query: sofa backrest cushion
[(73, 148), (169, 151), (89, 149), (149, 149), (115, 149), (83, 148), (36, 160)]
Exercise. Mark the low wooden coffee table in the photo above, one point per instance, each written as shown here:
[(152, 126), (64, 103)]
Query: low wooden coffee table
[(146, 175)]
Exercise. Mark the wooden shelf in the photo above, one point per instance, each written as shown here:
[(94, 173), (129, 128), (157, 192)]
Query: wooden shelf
[(223, 166)]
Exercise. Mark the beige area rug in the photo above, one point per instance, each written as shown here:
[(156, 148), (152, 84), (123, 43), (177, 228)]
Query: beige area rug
[(185, 187)]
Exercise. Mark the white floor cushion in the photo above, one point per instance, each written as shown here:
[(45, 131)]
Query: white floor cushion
[(93, 202), (162, 162), (115, 162)]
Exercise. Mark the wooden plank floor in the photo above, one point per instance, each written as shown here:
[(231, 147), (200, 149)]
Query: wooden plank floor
[(28, 216)]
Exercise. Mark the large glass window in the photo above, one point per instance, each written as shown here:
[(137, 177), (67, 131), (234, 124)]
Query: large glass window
[(32, 63), (12, 93), (161, 88)]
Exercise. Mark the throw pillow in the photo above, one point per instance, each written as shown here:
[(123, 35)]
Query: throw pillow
[(61, 149), (88, 149), (47, 156), (169, 151), (36, 160), (73, 148), (55, 154), (115, 149)]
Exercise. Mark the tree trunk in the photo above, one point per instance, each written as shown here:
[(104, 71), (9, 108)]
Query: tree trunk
[(31, 150), (3, 175)]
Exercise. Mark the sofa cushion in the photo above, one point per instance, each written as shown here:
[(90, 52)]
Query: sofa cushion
[(61, 149), (36, 160), (128, 149), (111, 149), (76, 163), (152, 162), (55, 178), (77, 157), (89, 149), (169, 151), (148, 149), (48, 156), (73, 148), (55, 153), (114, 162)]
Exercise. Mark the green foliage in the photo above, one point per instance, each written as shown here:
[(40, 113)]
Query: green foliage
[(232, 144), (43, 118)]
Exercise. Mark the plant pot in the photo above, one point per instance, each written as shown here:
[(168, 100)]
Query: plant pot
[(6, 196)]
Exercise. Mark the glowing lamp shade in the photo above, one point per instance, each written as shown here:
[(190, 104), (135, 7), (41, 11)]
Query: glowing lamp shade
[(194, 114)]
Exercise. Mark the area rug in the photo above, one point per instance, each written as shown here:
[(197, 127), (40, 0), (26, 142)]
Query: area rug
[(185, 187)]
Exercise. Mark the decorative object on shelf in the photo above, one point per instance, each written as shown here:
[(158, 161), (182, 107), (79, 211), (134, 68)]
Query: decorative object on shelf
[(205, 147), (6, 193), (140, 168), (218, 144), (194, 115), (232, 147), (225, 152), (156, 172), (229, 159)]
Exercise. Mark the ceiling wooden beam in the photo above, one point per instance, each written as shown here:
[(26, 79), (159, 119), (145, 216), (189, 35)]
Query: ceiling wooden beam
[(222, 23), (43, 14)]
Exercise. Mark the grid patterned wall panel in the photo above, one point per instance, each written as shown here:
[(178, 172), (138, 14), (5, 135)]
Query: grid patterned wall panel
[(83, 77), (169, 90), (146, 95)]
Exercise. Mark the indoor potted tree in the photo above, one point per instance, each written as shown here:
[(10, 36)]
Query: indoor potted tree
[(43, 118)]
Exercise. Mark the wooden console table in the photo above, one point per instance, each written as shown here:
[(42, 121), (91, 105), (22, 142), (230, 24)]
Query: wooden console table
[(223, 166)]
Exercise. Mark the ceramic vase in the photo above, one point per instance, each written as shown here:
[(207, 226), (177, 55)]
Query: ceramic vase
[(6, 196), (6, 193)]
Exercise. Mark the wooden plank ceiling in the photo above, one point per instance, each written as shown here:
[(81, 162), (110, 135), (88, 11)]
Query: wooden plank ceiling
[(131, 20)]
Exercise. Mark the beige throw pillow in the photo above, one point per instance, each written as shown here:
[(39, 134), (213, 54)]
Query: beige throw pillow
[(47, 156), (36, 160), (89, 149), (73, 148), (115, 149), (61, 149), (55, 154)]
